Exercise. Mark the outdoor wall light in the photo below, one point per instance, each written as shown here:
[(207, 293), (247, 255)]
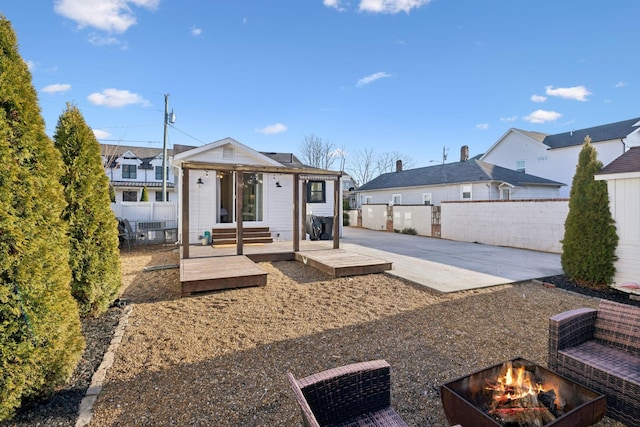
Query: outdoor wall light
[(200, 181), (278, 184)]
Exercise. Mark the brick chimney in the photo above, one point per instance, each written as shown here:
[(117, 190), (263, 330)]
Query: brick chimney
[(464, 153), (398, 165)]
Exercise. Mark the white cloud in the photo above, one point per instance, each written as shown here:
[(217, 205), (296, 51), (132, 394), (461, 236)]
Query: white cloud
[(116, 98), (106, 15), (31, 65), (538, 98), (98, 40), (101, 134), (372, 78), (509, 119), (56, 88), (578, 93), (391, 6), (196, 31), (482, 126), (542, 116), (334, 4), (272, 129), (621, 84)]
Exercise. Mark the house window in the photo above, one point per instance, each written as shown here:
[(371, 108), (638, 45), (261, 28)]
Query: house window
[(396, 199), (159, 196), (520, 166), (426, 198), (316, 192), (129, 171), (159, 173), (129, 196), (368, 200), (466, 192), (505, 193)]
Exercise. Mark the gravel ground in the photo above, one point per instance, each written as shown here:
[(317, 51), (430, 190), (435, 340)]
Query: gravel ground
[(221, 358)]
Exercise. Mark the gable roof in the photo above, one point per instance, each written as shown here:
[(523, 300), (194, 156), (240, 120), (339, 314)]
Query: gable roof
[(455, 173), (629, 162), (144, 154), (534, 136), (608, 132)]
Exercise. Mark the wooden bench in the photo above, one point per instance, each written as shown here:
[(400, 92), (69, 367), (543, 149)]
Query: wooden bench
[(601, 350)]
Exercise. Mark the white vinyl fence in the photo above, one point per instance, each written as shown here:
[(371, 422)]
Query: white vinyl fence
[(526, 224)]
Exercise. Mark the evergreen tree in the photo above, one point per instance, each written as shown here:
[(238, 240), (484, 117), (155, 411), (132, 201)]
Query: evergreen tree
[(144, 197), (40, 337), (590, 239), (93, 228)]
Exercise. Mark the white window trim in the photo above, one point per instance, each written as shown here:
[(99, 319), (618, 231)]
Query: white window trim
[(462, 188), (427, 197), (394, 197)]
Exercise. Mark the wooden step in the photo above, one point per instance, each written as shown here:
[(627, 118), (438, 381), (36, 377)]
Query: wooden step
[(227, 236), (245, 240)]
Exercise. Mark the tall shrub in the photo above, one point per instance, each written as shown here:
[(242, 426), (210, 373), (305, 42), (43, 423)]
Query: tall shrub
[(590, 239), (144, 196), (40, 337), (93, 229)]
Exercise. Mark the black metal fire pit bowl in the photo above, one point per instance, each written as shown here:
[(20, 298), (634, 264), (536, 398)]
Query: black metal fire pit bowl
[(464, 403)]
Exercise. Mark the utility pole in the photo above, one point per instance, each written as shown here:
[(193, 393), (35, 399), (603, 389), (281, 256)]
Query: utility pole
[(164, 146)]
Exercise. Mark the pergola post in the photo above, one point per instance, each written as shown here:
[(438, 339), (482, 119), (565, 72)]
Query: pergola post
[(239, 208), (185, 213), (296, 212), (336, 213)]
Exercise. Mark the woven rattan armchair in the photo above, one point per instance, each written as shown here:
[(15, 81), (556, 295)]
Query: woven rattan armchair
[(601, 350), (353, 395)]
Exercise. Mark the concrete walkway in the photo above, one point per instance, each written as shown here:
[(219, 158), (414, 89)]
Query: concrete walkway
[(450, 266)]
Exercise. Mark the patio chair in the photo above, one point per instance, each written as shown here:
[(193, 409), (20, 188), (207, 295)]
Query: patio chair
[(353, 395), (125, 233)]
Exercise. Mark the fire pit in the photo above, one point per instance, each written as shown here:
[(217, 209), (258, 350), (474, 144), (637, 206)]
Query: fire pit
[(520, 393)]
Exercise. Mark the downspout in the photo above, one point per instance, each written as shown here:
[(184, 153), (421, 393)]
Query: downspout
[(624, 146)]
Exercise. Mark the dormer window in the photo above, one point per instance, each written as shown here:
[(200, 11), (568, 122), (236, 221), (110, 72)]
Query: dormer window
[(129, 171)]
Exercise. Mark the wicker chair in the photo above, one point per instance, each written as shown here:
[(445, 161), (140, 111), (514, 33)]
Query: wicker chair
[(601, 350), (354, 395)]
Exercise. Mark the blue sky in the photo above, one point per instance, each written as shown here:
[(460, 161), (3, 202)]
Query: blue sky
[(406, 76)]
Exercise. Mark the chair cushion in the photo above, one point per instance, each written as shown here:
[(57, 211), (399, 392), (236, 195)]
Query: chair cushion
[(385, 417), (607, 359)]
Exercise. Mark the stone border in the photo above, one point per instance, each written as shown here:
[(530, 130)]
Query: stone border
[(85, 411)]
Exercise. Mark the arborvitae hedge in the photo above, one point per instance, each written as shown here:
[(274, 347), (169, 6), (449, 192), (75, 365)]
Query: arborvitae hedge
[(93, 228), (40, 337), (590, 238)]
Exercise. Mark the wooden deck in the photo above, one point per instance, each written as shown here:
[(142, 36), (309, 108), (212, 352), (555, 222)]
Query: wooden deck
[(216, 269), (341, 263), (215, 273)]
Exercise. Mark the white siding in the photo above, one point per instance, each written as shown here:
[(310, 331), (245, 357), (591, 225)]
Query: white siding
[(453, 192), (624, 198), (557, 165)]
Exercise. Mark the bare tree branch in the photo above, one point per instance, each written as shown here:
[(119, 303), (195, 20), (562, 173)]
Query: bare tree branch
[(317, 153)]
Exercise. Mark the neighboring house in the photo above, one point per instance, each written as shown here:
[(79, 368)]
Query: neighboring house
[(555, 157), (623, 181), (267, 191), (131, 168), (349, 194), (464, 180)]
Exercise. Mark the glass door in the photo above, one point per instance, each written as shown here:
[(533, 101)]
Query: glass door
[(252, 198)]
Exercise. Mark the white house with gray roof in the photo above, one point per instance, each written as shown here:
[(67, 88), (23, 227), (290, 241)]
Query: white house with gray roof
[(555, 156), (130, 169), (464, 180)]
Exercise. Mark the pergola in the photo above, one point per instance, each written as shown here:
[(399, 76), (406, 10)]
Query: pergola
[(299, 200)]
